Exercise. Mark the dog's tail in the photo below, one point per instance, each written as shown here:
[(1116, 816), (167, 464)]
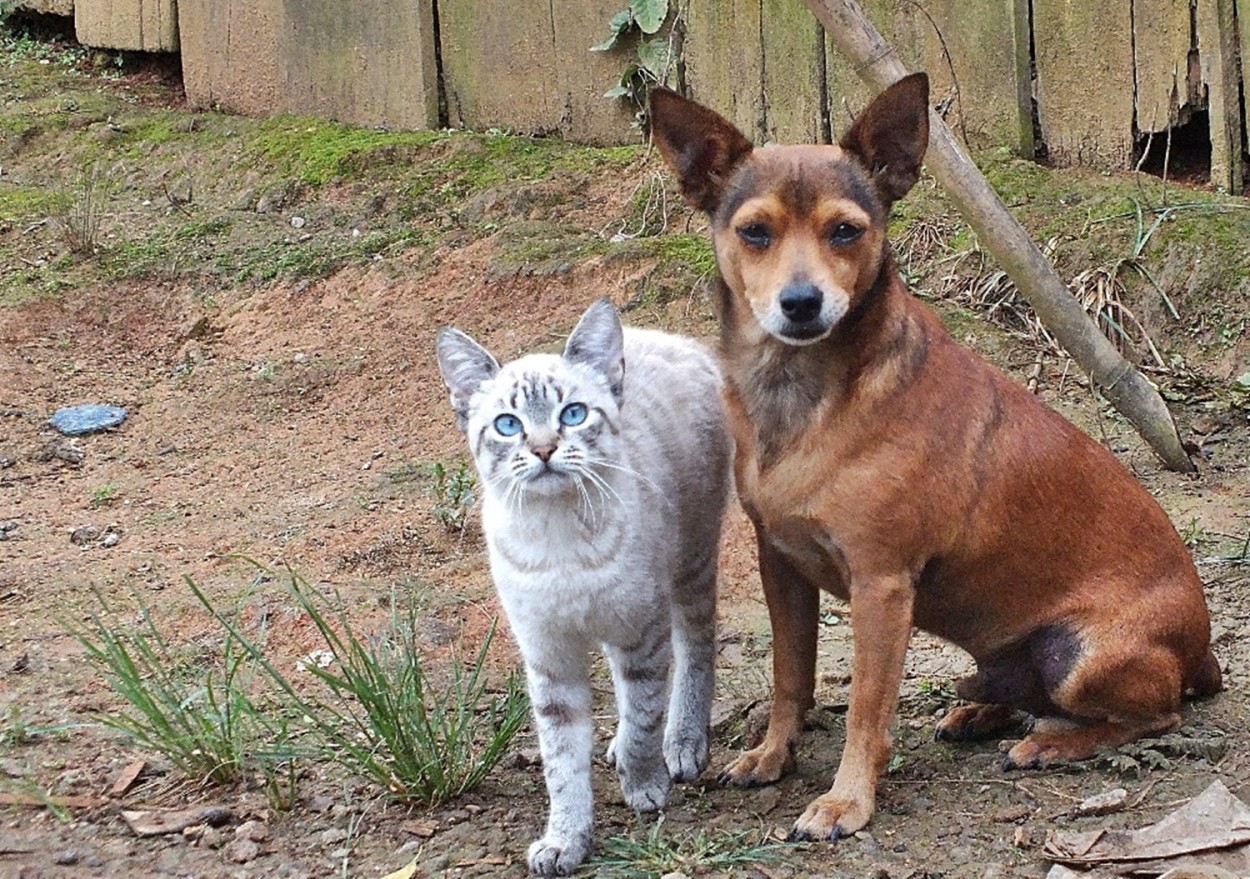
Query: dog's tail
[(1207, 680)]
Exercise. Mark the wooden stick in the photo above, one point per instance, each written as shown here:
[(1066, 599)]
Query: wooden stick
[(1122, 384)]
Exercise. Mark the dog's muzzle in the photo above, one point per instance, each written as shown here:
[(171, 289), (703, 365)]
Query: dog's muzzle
[(802, 306)]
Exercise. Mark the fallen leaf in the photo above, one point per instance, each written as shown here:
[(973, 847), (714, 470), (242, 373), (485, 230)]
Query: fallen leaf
[(423, 829), (156, 823), (127, 779), (41, 801), (405, 872), (1210, 829)]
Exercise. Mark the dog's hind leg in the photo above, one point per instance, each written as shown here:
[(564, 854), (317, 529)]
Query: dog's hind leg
[(793, 611), (1112, 699), (1068, 742)]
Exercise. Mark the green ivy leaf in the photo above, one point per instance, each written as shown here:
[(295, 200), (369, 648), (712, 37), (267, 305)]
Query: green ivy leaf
[(649, 14), (653, 57), (617, 91), (618, 26)]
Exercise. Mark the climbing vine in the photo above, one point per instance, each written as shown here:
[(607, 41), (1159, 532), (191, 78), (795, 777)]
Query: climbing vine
[(639, 26)]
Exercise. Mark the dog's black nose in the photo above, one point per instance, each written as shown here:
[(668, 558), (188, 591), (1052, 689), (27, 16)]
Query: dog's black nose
[(800, 303)]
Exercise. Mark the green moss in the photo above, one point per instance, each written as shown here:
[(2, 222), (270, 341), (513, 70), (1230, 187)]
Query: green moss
[(693, 251), (29, 203), (316, 151), (544, 247)]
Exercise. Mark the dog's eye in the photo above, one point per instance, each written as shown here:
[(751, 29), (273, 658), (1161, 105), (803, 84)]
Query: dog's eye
[(755, 234), (845, 233)]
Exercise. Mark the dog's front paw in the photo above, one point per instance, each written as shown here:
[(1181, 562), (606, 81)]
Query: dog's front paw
[(967, 723), (552, 856), (758, 766), (686, 757), (828, 817)]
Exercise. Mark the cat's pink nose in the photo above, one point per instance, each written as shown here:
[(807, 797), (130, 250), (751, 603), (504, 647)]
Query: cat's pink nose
[(544, 452)]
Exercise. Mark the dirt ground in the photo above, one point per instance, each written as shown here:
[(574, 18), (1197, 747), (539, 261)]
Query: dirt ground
[(284, 421)]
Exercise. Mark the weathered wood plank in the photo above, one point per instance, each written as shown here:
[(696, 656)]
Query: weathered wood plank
[(48, 7), (519, 66), (133, 25), (1217, 51), (725, 61), (1084, 58), (1163, 36), (976, 53), (792, 72), (370, 62), (232, 54)]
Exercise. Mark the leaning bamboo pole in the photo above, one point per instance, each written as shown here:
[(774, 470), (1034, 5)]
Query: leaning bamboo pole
[(1008, 242)]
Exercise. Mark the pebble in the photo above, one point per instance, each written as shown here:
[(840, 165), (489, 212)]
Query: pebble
[(333, 836), (256, 831), (66, 858), (1104, 803), (112, 538), (242, 850), (84, 535)]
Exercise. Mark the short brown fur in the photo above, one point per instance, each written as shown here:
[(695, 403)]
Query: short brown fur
[(881, 461)]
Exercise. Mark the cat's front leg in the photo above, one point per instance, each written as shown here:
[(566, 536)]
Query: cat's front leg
[(640, 679), (561, 706), (687, 734)]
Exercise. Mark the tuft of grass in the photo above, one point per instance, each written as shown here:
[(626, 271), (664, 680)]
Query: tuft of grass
[(104, 495), (454, 493), (80, 225), (205, 721), (701, 852), (386, 717)]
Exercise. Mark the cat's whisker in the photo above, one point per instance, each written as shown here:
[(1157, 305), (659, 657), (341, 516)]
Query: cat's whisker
[(628, 471), (605, 487), (587, 502)]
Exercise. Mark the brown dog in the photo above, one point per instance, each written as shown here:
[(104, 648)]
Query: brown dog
[(880, 460)]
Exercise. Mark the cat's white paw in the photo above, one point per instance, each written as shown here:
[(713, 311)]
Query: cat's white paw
[(649, 793), (551, 856), (610, 753), (686, 757)]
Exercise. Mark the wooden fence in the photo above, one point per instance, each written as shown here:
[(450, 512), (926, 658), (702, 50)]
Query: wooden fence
[(1092, 83)]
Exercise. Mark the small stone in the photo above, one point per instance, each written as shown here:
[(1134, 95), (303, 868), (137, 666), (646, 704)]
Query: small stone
[(1104, 803), (66, 858), (6, 527), (84, 535), (319, 803), (256, 831), (110, 539), (1011, 814), (211, 837), (676, 874), (333, 836), (298, 222), (242, 850)]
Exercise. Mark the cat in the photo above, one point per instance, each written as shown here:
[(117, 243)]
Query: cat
[(605, 475)]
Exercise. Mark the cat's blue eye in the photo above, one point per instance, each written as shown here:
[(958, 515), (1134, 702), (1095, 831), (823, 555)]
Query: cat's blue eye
[(508, 424), (573, 414)]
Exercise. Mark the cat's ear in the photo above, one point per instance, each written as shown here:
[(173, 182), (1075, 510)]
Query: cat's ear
[(598, 342), (465, 365)]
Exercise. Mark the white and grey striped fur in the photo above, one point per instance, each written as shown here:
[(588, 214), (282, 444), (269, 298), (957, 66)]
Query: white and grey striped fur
[(603, 525)]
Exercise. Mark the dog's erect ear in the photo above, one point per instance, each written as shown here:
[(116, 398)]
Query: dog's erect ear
[(598, 342), (699, 145), (890, 136), (465, 365)]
